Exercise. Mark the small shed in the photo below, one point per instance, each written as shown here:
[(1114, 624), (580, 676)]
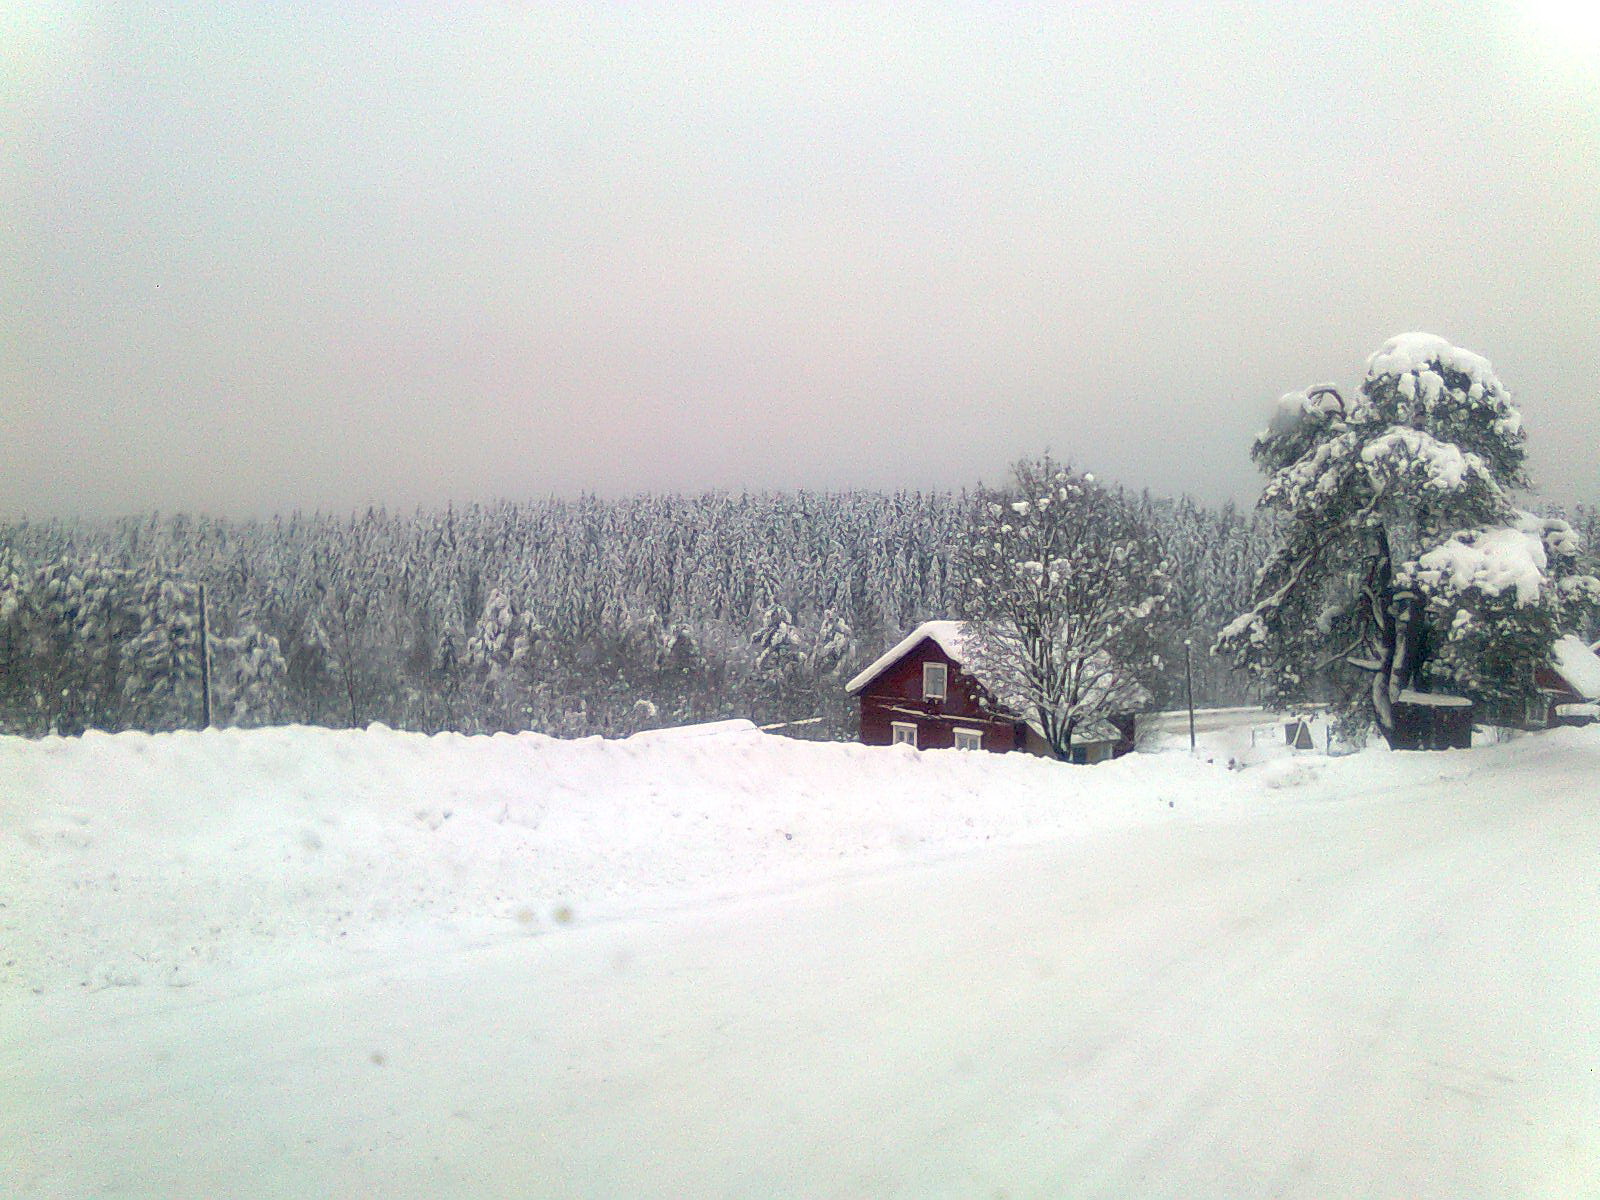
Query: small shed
[(1425, 721), (923, 692)]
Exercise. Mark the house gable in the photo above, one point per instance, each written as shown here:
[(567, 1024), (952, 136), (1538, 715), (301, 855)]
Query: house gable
[(893, 697), (949, 636), (891, 692)]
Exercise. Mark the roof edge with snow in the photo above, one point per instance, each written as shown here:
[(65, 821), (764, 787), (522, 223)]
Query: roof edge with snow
[(947, 635), (1578, 665)]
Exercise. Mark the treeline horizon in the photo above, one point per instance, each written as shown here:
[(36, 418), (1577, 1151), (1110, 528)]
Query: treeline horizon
[(569, 616)]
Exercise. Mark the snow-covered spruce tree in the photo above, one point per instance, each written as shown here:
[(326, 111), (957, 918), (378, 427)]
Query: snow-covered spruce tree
[(779, 665), (248, 672), (1586, 524), (492, 656), (1403, 562), (81, 614), (161, 663), (18, 701), (1060, 585)]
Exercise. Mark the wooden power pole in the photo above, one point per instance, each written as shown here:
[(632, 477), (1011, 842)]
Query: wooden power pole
[(205, 666)]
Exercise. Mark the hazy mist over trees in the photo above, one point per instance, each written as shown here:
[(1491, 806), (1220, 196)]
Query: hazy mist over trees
[(572, 617)]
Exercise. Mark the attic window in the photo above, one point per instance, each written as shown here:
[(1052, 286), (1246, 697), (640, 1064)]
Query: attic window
[(934, 680)]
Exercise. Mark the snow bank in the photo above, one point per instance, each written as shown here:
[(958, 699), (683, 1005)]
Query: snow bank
[(137, 859), (175, 859), (1383, 985)]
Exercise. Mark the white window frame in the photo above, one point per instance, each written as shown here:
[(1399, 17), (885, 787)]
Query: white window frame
[(939, 671), (973, 738), (903, 733)]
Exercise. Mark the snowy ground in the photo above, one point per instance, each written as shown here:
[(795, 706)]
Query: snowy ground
[(719, 963)]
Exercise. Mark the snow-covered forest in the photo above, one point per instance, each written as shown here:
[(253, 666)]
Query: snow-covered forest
[(571, 617)]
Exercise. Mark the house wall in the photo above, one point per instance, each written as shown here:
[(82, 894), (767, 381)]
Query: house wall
[(896, 695), (1093, 752), (1432, 726), (1537, 712), (1546, 679)]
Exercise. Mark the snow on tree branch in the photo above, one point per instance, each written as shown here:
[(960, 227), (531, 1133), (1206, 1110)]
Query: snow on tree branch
[(1061, 584), (1399, 543)]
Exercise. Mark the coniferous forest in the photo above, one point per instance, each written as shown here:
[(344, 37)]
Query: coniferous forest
[(571, 617)]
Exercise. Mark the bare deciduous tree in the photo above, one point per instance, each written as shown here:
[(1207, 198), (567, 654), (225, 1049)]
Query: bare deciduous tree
[(1061, 586)]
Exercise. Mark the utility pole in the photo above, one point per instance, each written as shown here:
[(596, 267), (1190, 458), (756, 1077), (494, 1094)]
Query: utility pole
[(205, 666), (1188, 687)]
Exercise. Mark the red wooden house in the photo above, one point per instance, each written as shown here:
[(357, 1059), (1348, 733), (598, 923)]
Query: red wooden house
[(1568, 691), (1570, 686), (922, 693)]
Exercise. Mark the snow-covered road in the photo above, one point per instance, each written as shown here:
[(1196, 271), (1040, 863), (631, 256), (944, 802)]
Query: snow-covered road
[(1391, 996)]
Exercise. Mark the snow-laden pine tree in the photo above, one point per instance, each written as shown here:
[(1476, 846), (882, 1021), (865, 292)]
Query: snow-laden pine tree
[(492, 655), (493, 641), (248, 673), (779, 692), (1212, 557), (1061, 584), (829, 657), (66, 628), (1403, 563), (1586, 524), (161, 663)]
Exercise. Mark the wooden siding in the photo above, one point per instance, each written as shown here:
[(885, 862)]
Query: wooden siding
[(896, 695), (1539, 711)]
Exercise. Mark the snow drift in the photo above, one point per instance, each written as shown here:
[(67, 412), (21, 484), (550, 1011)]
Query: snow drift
[(1304, 977), (136, 859), (155, 859)]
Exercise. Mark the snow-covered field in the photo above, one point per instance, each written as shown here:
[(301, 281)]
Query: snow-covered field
[(713, 962)]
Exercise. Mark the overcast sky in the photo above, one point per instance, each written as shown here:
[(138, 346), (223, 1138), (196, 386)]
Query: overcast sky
[(257, 258)]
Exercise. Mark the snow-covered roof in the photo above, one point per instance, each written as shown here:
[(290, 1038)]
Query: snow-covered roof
[(1578, 665), (1089, 731), (949, 636), (1433, 699)]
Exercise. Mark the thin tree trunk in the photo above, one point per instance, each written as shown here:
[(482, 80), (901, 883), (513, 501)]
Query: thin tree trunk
[(1394, 649)]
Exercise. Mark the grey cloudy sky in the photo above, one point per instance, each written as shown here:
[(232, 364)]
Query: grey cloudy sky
[(257, 257)]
